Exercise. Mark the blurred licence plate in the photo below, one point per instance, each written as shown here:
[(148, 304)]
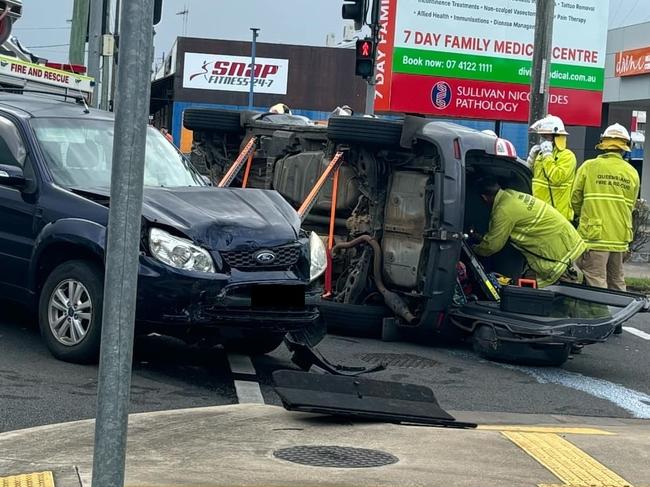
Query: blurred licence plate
[(265, 296)]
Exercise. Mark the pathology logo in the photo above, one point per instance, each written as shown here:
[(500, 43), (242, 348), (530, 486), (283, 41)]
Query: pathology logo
[(441, 95)]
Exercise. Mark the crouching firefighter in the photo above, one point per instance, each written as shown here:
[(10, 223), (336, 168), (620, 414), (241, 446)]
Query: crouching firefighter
[(547, 240)]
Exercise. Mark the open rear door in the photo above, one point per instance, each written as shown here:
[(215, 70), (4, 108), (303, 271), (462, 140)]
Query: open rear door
[(578, 315)]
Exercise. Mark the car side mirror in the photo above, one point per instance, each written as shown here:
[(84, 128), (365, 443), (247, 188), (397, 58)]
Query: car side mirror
[(12, 176)]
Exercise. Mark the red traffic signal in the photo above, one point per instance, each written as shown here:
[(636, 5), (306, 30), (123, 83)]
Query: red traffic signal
[(365, 58)]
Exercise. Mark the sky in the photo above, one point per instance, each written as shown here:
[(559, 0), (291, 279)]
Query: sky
[(307, 22)]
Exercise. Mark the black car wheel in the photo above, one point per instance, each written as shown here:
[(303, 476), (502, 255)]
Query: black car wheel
[(225, 121), (257, 344), (361, 320), (70, 311), (489, 346), (363, 130)]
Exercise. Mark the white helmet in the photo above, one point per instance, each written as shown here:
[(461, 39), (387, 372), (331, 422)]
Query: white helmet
[(616, 131), (615, 138), (549, 125)]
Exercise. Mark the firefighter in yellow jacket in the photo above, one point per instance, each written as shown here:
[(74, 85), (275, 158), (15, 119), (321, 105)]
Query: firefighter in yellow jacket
[(604, 194), (547, 240), (553, 165)]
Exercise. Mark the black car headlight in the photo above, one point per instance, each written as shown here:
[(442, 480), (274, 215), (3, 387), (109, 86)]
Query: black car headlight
[(179, 252), (318, 257)]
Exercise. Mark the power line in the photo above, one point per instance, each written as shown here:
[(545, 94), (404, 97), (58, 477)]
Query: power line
[(50, 45)]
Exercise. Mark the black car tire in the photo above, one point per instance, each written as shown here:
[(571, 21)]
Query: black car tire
[(359, 320), (91, 276), (488, 346), (225, 121), (362, 130), (257, 344)]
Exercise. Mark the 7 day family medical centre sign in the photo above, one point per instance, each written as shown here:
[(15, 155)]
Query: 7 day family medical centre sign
[(473, 58)]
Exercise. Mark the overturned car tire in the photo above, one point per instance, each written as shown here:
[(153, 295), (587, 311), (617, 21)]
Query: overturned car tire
[(359, 320), (487, 345), (225, 121), (362, 130)]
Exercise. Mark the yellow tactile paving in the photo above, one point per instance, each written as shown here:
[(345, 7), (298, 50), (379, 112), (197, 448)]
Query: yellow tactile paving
[(39, 479), (566, 461), (546, 429)]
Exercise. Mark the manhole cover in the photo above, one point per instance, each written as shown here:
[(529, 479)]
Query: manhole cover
[(399, 360), (335, 456)]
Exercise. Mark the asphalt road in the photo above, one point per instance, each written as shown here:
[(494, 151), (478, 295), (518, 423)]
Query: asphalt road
[(609, 379)]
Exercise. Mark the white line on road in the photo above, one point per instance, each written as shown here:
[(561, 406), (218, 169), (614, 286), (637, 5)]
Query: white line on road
[(241, 364), (639, 333), (248, 392)]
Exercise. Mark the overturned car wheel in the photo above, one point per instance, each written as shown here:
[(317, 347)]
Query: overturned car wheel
[(225, 121), (486, 344), (362, 130)]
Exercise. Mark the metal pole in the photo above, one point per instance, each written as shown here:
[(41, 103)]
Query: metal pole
[(375, 29), (95, 45), (77, 52), (116, 34), (251, 92), (107, 61), (123, 241), (539, 87)]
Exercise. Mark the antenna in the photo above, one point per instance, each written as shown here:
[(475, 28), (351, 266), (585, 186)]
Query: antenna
[(185, 14)]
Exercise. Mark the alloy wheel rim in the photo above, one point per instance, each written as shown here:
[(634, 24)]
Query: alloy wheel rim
[(69, 312)]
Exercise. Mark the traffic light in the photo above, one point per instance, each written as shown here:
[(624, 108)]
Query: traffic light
[(365, 58), (355, 10), (157, 11)]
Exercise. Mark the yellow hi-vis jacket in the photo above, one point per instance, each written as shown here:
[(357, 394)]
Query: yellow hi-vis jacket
[(604, 194), (553, 177), (547, 240)]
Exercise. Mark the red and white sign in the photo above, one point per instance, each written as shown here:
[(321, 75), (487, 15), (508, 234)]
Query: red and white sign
[(484, 99), (632, 63), (36, 72), (233, 73)]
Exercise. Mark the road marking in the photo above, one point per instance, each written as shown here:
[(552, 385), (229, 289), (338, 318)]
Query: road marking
[(566, 461), (639, 333), (40, 479), (248, 392), (241, 364), (545, 429), (635, 402)]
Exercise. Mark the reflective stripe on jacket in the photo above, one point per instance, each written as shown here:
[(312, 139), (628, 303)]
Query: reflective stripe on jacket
[(604, 194), (553, 175), (547, 240)]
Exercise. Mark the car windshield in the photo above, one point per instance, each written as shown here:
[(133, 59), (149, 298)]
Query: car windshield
[(79, 153)]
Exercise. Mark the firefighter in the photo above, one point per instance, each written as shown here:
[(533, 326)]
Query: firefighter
[(280, 108), (553, 165), (604, 194), (547, 240)]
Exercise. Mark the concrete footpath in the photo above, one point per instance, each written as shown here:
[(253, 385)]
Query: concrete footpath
[(239, 445)]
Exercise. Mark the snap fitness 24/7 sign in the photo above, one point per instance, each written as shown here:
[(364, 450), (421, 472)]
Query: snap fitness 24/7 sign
[(233, 73), (473, 59)]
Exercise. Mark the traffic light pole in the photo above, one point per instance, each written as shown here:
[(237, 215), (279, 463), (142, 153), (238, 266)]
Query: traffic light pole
[(539, 87), (372, 81)]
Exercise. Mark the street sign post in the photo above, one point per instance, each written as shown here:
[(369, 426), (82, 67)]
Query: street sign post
[(123, 242)]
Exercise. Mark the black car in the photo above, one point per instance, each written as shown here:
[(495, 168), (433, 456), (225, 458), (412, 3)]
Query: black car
[(231, 265), (406, 201)]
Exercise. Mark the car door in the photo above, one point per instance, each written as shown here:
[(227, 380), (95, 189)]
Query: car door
[(17, 213), (576, 314)]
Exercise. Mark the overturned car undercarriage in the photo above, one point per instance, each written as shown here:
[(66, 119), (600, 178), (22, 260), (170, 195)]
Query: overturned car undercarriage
[(404, 198)]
